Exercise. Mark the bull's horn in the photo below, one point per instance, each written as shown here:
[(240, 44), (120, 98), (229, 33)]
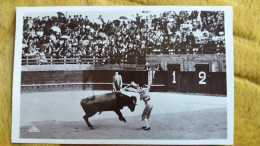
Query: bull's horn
[(134, 102)]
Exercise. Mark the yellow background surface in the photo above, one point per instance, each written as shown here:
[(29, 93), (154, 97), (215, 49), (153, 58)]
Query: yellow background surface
[(246, 26)]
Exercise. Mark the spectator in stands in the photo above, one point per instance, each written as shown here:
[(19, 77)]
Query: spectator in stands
[(42, 59), (115, 38), (158, 67), (146, 67)]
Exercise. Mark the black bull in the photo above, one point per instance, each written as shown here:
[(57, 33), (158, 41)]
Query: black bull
[(107, 102)]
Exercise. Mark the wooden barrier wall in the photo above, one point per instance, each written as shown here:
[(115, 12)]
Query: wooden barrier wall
[(199, 81), (173, 80), (51, 77), (76, 80)]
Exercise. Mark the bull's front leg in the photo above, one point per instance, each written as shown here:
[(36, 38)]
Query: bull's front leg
[(88, 123), (120, 116)]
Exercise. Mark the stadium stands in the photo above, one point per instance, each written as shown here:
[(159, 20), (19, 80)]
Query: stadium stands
[(76, 39)]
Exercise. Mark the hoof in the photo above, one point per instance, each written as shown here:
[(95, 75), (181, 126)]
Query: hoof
[(122, 119), (147, 128), (143, 127)]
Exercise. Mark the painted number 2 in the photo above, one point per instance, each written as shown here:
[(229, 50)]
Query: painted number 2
[(202, 76), (174, 78)]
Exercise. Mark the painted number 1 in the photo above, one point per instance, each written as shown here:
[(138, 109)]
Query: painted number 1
[(174, 78), (202, 76)]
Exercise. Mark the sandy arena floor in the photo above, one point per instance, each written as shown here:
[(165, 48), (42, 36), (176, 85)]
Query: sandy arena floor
[(58, 115)]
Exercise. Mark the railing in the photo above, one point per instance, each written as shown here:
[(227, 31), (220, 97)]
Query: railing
[(32, 60), (36, 60), (187, 50)]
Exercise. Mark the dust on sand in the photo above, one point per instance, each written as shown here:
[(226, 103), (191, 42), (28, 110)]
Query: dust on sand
[(188, 125)]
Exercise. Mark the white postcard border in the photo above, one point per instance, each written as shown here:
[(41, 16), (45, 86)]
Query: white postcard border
[(15, 137)]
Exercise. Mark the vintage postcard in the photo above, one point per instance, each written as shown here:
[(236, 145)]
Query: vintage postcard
[(123, 75)]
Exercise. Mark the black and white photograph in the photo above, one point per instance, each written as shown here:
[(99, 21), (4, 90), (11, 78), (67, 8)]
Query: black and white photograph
[(123, 75)]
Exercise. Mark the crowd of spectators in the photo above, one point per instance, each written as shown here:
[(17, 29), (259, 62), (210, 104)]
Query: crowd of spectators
[(169, 33)]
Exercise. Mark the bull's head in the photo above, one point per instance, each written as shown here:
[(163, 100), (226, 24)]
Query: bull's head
[(132, 103)]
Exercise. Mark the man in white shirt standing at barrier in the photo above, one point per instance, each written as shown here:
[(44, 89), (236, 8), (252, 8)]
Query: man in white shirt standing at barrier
[(117, 82)]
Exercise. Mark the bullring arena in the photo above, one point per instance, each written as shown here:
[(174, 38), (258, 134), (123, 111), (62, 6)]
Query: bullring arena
[(181, 55), (51, 94), (58, 115)]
